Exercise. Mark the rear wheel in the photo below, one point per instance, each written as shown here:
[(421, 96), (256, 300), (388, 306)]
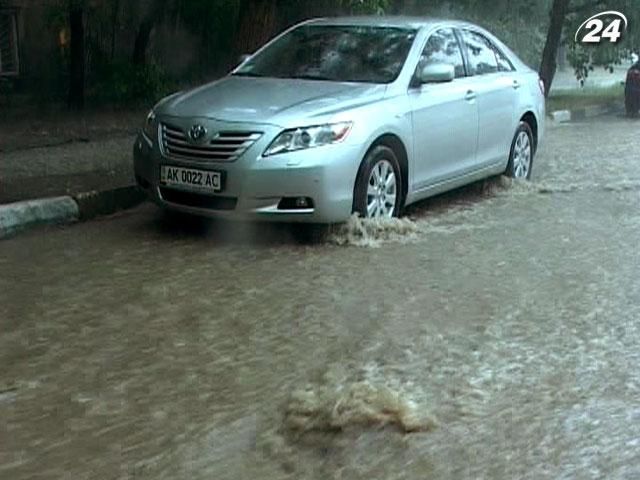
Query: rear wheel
[(521, 155), (378, 190)]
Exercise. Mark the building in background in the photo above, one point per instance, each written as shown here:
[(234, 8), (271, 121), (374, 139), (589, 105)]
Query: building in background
[(9, 42)]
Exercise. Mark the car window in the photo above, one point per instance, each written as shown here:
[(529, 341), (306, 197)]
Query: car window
[(504, 64), (443, 47), (480, 52)]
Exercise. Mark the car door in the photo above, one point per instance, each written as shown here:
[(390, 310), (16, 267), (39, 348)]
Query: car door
[(444, 116), (497, 94)]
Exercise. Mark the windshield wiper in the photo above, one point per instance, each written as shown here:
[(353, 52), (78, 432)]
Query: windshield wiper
[(311, 77)]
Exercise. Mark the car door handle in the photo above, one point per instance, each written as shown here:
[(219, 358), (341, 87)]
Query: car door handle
[(471, 95), (516, 84)]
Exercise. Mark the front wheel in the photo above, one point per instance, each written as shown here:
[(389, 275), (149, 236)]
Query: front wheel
[(378, 190), (521, 154)]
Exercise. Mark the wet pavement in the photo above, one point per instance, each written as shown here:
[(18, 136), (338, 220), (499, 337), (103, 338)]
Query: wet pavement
[(492, 334)]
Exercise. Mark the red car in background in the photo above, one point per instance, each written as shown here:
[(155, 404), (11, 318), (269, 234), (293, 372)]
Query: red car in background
[(632, 90)]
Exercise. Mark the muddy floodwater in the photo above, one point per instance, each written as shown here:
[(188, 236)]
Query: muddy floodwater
[(494, 333)]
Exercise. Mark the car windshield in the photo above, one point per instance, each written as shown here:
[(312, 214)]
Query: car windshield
[(368, 54)]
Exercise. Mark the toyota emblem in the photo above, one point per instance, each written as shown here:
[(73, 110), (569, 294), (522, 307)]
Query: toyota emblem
[(197, 133)]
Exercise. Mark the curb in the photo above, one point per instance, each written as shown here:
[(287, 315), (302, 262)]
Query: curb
[(19, 216), (591, 111), (94, 204), (560, 116)]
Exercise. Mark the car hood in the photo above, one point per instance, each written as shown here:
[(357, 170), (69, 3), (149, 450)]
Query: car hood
[(269, 100)]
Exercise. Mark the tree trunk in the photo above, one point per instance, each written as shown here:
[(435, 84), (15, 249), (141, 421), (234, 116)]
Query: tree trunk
[(141, 44), (257, 23), (77, 56), (548, 64)]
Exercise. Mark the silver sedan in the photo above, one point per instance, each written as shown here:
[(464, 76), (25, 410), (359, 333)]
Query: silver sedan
[(344, 115)]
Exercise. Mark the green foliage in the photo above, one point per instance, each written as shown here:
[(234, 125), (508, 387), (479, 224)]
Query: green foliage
[(112, 24), (580, 60), (377, 7), (122, 83)]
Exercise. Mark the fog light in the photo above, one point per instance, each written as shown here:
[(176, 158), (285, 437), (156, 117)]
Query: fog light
[(295, 203)]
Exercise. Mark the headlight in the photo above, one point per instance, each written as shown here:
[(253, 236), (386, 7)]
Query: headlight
[(150, 128), (309, 137)]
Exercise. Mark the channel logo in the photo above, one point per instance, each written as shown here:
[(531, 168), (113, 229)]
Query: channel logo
[(595, 30)]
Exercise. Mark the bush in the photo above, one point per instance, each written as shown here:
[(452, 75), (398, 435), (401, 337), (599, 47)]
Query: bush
[(121, 83)]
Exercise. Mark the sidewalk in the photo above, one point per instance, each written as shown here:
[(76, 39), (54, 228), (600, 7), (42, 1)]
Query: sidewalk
[(62, 167), (66, 169), (46, 154)]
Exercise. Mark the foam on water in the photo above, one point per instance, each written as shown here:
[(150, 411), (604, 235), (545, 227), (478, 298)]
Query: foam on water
[(340, 403), (456, 211), (449, 213), (362, 232)]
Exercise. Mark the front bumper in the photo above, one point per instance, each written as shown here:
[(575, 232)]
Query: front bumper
[(254, 185)]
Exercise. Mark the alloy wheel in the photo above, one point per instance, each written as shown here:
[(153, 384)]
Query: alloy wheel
[(381, 190), (522, 156)]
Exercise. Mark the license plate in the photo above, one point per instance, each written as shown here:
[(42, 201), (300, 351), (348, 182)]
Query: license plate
[(190, 178)]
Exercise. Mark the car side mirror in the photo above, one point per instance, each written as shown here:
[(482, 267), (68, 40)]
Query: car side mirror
[(437, 73)]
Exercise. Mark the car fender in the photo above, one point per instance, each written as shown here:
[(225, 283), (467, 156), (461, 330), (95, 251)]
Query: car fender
[(397, 123)]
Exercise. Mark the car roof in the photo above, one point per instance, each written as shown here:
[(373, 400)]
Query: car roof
[(387, 21)]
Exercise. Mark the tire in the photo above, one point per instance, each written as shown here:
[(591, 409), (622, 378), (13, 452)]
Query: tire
[(521, 154), (374, 196)]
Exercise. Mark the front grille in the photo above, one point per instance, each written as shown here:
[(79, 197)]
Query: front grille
[(225, 146), (198, 200)]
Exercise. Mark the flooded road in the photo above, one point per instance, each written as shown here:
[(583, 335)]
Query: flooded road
[(494, 333)]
